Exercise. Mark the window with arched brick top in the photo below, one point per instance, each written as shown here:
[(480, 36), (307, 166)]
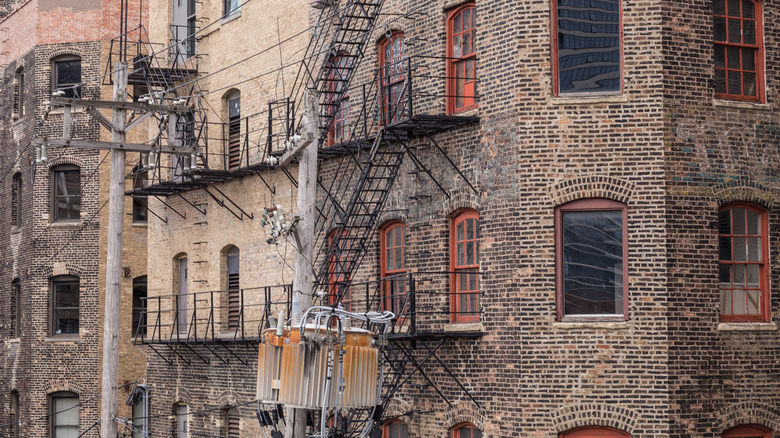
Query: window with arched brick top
[(395, 429), (591, 248), (338, 73), (595, 432), (747, 431), (743, 248), (466, 430), (464, 265), (66, 193), (461, 59), (392, 72)]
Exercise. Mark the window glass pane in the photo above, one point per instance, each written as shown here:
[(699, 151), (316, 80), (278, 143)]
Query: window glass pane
[(734, 82), (753, 277), (725, 302), (399, 261), (733, 57), (469, 252), (477, 433), (725, 275), (68, 72), (720, 81), (748, 9), (749, 84), (753, 302), (461, 254), (456, 26), (592, 262), (399, 236), (724, 248), (735, 30), (459, 235), (740, 306), (748, 63), (719, 26), (67, 412), (749, 32), (467, 44), (467, 19), (754, 249), (739, 275), (740, 249), (720, 56), (588, 45), (719, 7), (734, 8)]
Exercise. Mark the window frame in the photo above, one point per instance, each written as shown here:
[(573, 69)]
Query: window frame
[(758, 48), (230, 414), (457, 315), (389, 110), (333, 278), (746, 431), (13, 413), (181, 419), (340, 124), (386, 428), (585, 205), (16, 285), (233, 140), (390, 295), (75, 197), (765, 285), (138, 317), (18, 94), (233, 287), (140, 202), (452, 61), (54, 413), (594, 432), (74, 92), (556, 77), (454, 432), (16, 200), (55, 308), (227, 11)]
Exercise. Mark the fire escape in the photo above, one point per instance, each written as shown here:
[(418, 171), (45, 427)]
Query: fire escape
[(399, 109)]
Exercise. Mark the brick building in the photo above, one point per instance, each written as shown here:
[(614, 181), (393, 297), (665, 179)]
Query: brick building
[(585, 212), (52, 231)]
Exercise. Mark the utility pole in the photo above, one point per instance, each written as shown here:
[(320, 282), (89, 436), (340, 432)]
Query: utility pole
[(118, 126), (303, 280), (113, 309)]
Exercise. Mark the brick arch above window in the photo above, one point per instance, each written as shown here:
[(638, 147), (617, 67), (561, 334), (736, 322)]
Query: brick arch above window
[(591, 186), (461, 199), (182, 396), (750, 412), (60, 268), (578, 415), (65, 160), (380, 34), (745, 191), (594, 432), (466, 412), (228, 399), (63, 386)]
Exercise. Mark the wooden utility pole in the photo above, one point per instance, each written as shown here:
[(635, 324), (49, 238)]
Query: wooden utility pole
[(303, 280), (113, 293)]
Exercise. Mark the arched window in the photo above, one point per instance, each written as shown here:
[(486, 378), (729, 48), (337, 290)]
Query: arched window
[(747, 431), (65, 305), (66, 193), (462, 59), (139, 297), (464, 265), (64, 410), (743, 245), (466, 430), (339, 265), (16, 200), (67, 75), (392, 72), (233, 287), (16, 311), (180, 276), (232, 422), (395, 429), (739, 49), (594, 432), (592, 259), (337, 80), (393, 259), (18, 104), (233, 102)]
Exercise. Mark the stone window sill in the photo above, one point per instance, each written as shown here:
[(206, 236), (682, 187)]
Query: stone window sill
[(73, 224), (739, 104), (63, 338), (464, 327), (228, 18), (589, 100), (140, 224), (15, 340), (747, 326), (591, 325)]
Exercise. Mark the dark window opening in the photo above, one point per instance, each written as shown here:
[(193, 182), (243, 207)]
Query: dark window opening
[(234, 132), (18, 97), (16, 200), (232, 6), (233, 286), (65, 305), (16, 309), (67, 193), (139, 296), (588, 46), (67, 75)]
